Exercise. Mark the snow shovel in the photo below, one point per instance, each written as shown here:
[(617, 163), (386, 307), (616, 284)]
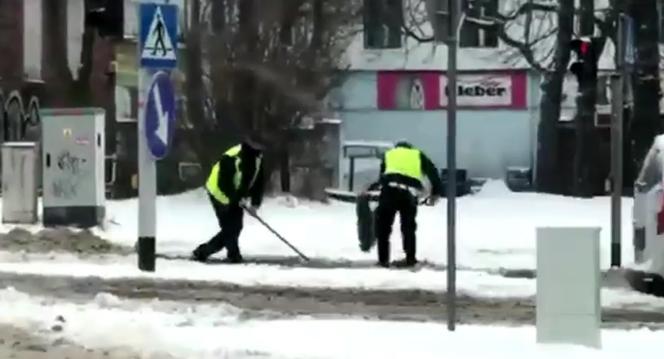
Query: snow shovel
[(255, 215)]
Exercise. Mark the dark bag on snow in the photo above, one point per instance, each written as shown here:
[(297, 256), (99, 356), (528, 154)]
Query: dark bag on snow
[(365, 223)]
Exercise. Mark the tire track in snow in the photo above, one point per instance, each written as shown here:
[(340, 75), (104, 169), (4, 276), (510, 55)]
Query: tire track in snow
[(274, 301)]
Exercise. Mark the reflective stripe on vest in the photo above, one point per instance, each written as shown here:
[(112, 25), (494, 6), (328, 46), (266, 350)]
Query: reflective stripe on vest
[(403, 161), (212, 184)]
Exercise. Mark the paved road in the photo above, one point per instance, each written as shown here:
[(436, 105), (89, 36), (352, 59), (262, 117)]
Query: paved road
[(287, 301)]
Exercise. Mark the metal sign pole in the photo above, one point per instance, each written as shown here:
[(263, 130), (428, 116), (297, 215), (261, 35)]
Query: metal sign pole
[(147, 177), (451, 163), (157, 52), (617, 88), (147, 190)]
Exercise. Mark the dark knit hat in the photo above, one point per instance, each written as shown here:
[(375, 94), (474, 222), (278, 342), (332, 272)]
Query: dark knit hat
[(255, 141)]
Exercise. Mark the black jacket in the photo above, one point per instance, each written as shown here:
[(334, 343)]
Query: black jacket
[(428, 169), (247, 166)]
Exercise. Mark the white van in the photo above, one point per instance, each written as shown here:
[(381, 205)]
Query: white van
[(648, 211)]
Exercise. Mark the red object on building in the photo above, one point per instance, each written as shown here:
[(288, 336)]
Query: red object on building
[(660, 217)]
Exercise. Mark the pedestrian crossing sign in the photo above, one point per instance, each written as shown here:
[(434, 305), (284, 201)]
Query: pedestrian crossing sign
[(158, 35)]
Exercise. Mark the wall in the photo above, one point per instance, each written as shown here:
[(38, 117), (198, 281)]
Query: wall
[(11, 40), (489, 140)]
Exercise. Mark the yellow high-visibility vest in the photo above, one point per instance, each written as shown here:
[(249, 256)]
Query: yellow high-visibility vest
[(404, 161), (212, 184)]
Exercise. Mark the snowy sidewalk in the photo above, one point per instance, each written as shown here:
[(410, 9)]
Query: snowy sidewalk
[(418, 295), (192, 331), (496, 227)]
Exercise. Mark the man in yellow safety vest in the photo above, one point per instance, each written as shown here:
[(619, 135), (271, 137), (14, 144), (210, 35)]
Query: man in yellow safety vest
[(401, 172), (235, 180)]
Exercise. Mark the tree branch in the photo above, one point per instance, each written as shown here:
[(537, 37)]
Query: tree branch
[(525, 49), (410, 33), (529, 7)]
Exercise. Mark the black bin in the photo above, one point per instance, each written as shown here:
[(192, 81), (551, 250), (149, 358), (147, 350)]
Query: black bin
[(462, 182)]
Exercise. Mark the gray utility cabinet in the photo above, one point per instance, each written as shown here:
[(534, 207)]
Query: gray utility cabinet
[(73, 167), (20, 161)]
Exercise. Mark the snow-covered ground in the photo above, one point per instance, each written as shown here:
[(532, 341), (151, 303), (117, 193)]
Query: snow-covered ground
[(221, 331), (496, 229), (474, 283)]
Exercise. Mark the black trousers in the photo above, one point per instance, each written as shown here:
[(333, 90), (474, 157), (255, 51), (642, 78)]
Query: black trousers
[(230, 219), (391, 201)]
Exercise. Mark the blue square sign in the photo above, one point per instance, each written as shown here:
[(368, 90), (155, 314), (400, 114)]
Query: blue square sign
[(158, 35)]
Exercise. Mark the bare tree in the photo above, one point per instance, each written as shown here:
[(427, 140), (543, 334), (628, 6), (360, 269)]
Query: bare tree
[(547, 134), (264, 66), (536, 33), (55, 66), (65, 89)]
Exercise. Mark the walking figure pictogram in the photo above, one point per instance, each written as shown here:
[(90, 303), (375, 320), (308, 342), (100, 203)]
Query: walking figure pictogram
[(158, 34), (159, 31)]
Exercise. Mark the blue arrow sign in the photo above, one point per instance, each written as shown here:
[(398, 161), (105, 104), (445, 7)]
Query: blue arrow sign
[(160, 115), (158, 35)]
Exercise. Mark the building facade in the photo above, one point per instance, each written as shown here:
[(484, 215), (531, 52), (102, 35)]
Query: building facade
[(41, 42), (396, 89), (496, 118), (397, 81)]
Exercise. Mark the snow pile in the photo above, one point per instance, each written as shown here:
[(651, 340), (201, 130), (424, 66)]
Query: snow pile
[(60, 240), (494, 188)]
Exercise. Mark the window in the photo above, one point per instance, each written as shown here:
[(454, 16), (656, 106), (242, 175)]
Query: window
[(383, 20), (126, 104), (472, 35)]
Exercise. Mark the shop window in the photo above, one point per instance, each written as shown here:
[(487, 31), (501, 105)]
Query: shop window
[(472, 35), (383, 21), (126, 104)]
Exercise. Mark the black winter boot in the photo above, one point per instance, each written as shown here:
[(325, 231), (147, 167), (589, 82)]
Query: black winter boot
[(234, 258), (406, 263), (199, 254)]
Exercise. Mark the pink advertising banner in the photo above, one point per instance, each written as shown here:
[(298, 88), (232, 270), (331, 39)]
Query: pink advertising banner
[(427, 90)]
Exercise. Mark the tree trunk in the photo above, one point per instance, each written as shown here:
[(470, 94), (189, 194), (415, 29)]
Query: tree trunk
[(587, 18), (55, 67), (645, 122), (224, 128), (218, 16), (547, 134), (245, 79), (319, 25), (194, 86), (81, 93)]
